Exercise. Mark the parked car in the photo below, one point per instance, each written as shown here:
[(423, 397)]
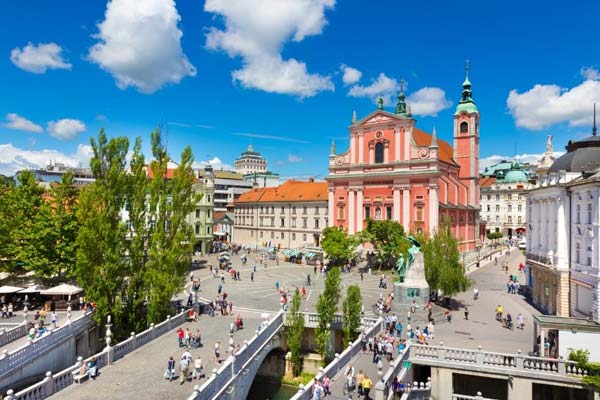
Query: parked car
[(522, 244)]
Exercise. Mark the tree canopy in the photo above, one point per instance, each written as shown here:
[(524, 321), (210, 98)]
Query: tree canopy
[(387, 238), (338, 245), (351, 309), (327, 304)]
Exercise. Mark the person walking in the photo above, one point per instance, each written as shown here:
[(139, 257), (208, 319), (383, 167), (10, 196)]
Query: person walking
[(367, 383), (466, 313), (520, 322), (252, 276), (218, 351), (170, 372), (54, 319), (198, 369), (184, 366)]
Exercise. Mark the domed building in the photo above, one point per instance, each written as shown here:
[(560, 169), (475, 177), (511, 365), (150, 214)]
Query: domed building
[(563, 239), (503, 187)]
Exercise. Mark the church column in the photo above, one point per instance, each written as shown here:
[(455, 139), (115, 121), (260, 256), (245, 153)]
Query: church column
[(406, 208), (361, 149), (352, 148), (331, 208), (359, 210), (396, 145), (561, 234), (433, 208), (371, 153), (397, 204), (351, 211)]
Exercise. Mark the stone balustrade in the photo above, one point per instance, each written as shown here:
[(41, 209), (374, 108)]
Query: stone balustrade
[(478, 396), (416, 391), (340, 361), (235, 364), (13, 333), (11, 360), (505, 363), (311, 320), (54, 383)]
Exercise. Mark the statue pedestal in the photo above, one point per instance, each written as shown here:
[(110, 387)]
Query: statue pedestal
[(415, 286)]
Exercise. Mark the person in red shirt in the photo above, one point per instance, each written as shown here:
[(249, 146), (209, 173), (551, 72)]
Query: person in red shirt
[(180, 336)]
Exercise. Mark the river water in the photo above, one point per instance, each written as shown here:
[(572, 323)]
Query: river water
[(264, 388)]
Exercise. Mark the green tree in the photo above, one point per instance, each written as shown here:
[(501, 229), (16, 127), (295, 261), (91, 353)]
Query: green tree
[(171, 237), (137, 234), (338, 245), (351, 309), (327, 304), (443, 269), (7, 225), (295, 332), (102, 267), (387, 238)]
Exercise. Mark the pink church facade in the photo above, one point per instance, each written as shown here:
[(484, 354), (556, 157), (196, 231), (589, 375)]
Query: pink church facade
[(393, 170)]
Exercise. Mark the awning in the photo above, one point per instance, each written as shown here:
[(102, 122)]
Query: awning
[(63, 289), (9, 289), (33, 289)]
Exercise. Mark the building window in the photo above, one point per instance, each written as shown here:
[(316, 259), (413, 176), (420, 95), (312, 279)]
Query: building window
[(464, 127), (377, 213), (509, 219), (316, 223), (488, 207), (497, 197), (293, 222), (578, 217), (317, 210), (388, 212), (520, 220), (272, 210), (489, 196), (419, 214), (509, 208), (367, 212), (340, 212), (208, 230), (519, 208), (294, 210), (304, 210), (197, 229), (497, 219), (577, 251), (304, 223), (379, 153), (282, 235), (197, 213), (262, 209), (497, 207), (208, 213), (282, 220), (293, 236), (261, 234), (282, 209), (304, 237), (251, 233), (272, 221), (589, 213), (208, 198)]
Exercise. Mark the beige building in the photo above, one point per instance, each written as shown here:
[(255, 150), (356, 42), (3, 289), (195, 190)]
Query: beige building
[(289, 216), (202, 217)]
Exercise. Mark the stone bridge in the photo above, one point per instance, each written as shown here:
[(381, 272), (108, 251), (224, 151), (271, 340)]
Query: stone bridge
[(53, 351)]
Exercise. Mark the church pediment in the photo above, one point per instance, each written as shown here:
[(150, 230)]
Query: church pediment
[(379, 117)]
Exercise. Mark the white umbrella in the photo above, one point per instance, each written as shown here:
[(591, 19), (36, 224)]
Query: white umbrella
[(32, 289), (63, 289), (9, 289)]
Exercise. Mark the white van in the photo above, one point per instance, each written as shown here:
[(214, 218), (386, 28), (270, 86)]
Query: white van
[(523, 244)]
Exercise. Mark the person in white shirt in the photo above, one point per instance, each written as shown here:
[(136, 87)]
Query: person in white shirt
[(198, 369)]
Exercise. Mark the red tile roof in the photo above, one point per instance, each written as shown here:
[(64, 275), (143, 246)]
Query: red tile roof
[(488, 181), (290, 191), (445, 151)]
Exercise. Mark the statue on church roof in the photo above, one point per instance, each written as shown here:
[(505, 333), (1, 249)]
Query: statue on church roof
[(549, 144)]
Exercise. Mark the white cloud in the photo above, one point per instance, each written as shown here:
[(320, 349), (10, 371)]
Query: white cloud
[(19, 123), (215, 162), (530, 158), (39, 58), (256, 30), (383, 86), (140, 44), (351, 75), (292, 158), (65, 129), (428, 101), (15, 159), (590, 73), (544, 105)]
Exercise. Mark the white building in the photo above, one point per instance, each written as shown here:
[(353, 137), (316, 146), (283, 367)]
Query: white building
[(250, 162), (563, 257), (202, 216), (228, 187), (503, 198), (289, 216)]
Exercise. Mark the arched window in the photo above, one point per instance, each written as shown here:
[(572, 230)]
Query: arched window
[(379, 153), (464, 127)]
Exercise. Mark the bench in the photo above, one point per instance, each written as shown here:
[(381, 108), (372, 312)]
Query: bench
[(79, 374)]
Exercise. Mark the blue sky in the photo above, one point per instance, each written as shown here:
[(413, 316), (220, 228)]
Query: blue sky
[(286, 75)]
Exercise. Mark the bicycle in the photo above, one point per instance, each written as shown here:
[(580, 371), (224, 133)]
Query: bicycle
[(349, 387)]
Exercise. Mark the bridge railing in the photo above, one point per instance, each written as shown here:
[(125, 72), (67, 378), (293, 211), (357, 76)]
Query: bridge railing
[(11, 360), (340, 361), (233, 365), (54, 383), (13, 333), (506, 361)]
